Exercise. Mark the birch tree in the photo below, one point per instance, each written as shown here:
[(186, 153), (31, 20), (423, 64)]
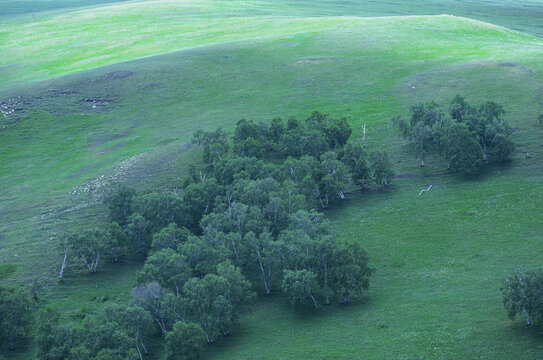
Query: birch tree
[(64, 245), (381, 168), (300, 286), (54, 340), (215, 144), (185, 342), (260, 256), (149, 297), (15, 317), (91, 246), (333, 181), (209, 305), (356, 158), (119, 203), (522, 295), (170, 269), (460, 148), (135, 321), (237, 290), (350, 272), (170, 237)]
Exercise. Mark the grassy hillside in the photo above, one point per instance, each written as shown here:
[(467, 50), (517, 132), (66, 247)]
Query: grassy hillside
[(51, 44), (34, 8), (439, 257)]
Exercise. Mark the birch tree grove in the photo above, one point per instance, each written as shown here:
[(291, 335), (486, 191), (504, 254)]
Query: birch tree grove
[(246, 218), (466, 136)]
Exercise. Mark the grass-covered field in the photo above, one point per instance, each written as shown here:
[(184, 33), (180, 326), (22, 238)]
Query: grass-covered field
[(439, 257), (63, 42)]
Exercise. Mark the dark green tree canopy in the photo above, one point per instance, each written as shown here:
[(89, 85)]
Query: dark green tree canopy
[(467, 136)]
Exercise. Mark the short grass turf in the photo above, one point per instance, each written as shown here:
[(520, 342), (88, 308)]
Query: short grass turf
[(44, 45), (439, 257)]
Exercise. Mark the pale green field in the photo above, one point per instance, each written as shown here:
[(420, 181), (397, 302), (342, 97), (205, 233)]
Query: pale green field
[(439, 258), (62, 42)]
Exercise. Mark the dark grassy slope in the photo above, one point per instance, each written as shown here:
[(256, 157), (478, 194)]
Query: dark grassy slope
[(436, 255)]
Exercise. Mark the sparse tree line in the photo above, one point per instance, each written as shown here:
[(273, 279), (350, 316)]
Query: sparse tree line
[(247, 220), (466, 136)]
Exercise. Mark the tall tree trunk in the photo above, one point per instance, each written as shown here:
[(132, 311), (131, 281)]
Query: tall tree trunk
[(421, 154), (314, 301), (63, 266), (326, 280), (96, 263), (89, 266), (345, 295), (263, 273), (269, 276), (528, 323), (138, 348), (142, 344)]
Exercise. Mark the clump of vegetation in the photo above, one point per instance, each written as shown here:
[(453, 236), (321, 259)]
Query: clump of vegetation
[(247, 219), (6, 270), (466, 136), (522, 295), (15, 317), (116, 333), (184, 342)]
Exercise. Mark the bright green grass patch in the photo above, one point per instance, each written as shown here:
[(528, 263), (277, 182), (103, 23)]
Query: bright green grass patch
[(60, 43)]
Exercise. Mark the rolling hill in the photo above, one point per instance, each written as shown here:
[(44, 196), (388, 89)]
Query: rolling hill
[(89, 102)]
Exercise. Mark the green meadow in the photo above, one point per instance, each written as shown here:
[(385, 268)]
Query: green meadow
[(97, 95)]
